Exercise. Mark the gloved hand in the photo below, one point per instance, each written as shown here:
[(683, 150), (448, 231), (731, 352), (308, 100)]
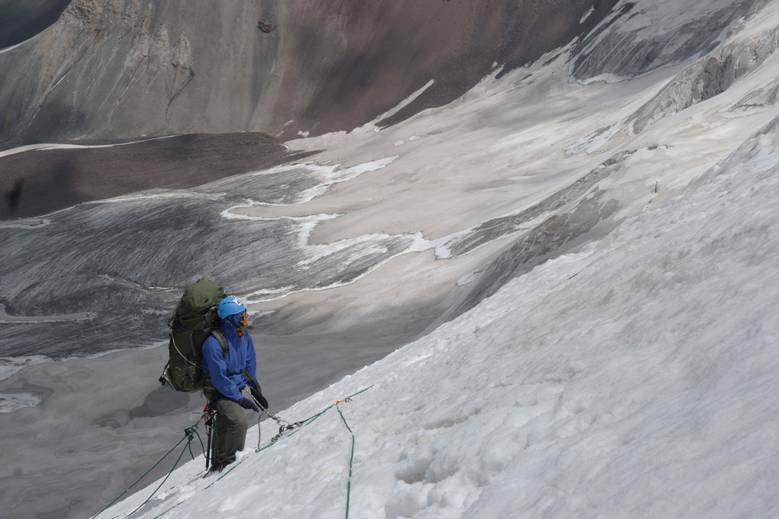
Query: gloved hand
[(257, 394), (254, 387), (250, 380), (248, 404)]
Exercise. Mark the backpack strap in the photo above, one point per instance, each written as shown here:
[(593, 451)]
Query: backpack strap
[(222, 340)]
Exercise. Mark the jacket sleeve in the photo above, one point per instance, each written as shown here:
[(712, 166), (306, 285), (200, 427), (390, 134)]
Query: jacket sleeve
[(251, 358), (216, 367)]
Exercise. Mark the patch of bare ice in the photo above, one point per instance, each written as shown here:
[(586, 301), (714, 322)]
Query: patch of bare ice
[(11, 365), (11, 402)]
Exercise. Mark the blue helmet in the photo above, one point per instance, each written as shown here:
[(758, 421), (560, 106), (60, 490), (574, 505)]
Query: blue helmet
[(229, 306)]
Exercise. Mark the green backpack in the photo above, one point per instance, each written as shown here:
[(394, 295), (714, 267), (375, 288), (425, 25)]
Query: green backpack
[(192, 323)]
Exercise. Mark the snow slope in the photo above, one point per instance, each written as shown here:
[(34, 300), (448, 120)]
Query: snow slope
[(630, 374), (633, 378), (636, 378)]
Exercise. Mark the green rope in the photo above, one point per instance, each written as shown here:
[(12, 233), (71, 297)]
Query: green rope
[(360, 392), (188, 432), (202, 445), (178, 460), (191, 454), (351, 461), (139, 479)]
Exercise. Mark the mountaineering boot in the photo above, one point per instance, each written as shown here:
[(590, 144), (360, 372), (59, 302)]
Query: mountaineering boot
[(214, 469)]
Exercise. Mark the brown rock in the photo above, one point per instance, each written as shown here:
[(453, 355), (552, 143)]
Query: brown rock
[(121, 69)]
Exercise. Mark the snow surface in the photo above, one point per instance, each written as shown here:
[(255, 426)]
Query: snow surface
[(59, 146), (17, 45), (25, 223), (37, 319), (586, 16), (404, 103), (634, 378)]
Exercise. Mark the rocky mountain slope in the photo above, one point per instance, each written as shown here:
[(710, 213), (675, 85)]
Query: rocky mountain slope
[(126, 68)]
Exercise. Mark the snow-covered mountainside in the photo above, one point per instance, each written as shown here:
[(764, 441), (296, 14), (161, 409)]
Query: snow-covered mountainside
[(610, 348), (633, 378)]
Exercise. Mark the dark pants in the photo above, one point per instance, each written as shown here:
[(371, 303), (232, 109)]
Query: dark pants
[(229, 433)]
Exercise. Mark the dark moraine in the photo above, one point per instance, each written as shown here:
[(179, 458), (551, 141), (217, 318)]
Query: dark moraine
[(47, 180)]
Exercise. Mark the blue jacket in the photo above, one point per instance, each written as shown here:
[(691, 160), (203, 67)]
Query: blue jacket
[(225, 371)]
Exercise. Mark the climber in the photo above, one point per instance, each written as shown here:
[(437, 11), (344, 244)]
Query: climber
[(231, 384)]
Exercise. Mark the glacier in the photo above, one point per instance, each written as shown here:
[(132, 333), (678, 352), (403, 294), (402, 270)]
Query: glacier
[(616, 354), (632, 378)]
